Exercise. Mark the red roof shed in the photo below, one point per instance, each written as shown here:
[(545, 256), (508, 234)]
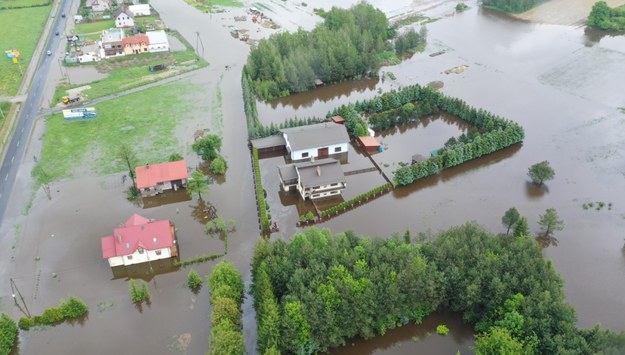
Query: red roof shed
[(338, 119), (152, 175), (370, 143)]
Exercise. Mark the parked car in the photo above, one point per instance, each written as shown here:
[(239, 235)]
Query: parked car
[(57, 33), (49, 53), (63, 15)]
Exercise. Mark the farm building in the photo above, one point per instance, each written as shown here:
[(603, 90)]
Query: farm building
[(158, 41), (140, 9)]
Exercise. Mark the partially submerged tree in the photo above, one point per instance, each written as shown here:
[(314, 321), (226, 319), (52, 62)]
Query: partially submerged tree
[(521, 228), (128, 156), (550, 221), (197, 184), (510, 218), (208, 147), (541, 172), (220, 226), (219, 166)]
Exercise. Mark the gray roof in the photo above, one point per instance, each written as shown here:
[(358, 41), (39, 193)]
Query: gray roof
[(320, 172), (268, 142), (316, 135), (288, 174)]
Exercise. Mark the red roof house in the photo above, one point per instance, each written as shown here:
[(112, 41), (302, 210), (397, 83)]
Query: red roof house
[(139, 240), (135, 44), (153, 179)]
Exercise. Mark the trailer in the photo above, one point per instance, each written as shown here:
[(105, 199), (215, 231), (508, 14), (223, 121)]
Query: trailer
[(80, 113), (71, 99)]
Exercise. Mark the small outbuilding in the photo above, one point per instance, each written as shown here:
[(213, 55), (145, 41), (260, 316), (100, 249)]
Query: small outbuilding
[(140, 9), (153, 179), (338, 119), (369, 143)]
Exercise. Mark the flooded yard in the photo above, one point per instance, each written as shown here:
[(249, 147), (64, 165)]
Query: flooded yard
[(561, 83)]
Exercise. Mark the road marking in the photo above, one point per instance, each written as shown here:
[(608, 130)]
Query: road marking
[(22, 130), (13, 157), (6, 177), (18, 143)]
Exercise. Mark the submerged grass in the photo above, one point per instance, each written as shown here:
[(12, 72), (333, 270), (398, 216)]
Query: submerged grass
[(146, 120), (213, 5)]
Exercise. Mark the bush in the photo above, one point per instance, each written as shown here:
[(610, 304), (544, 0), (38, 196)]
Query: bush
[(25, 323), (139, 294), (442, 329), (8, 334), (52, 315), (194, 281), (226, 287), (175, 157), (218, 166), (73, 307), (197, 260)]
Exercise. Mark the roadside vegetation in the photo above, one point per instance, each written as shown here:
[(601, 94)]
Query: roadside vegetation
[(606, 18), (131, 71), (213, 5), (349, 44), (510, 5), (91, 146), (319, 290), (20, 29), (4, 111), (226, 296)]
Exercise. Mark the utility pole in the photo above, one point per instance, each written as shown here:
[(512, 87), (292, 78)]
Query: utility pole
[(198, 39), (13, 290)]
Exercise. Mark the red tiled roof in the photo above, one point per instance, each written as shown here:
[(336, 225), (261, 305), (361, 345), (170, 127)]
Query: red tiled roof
[(138, 39), (369, 142), (337, 119), (138, 232), (151, 175)]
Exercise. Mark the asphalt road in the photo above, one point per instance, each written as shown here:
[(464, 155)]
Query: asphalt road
[(30, 109)]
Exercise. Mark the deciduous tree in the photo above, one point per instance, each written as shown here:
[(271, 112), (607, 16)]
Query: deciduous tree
[(550, 221), (197, 184), (510, 218), (541, 172)]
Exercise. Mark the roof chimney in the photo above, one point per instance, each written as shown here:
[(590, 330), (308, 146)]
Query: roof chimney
[(318, 170)]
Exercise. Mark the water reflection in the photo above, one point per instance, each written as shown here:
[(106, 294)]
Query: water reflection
[(534, 191), (145, 271)]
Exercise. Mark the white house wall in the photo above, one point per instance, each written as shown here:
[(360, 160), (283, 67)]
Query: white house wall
[(138, 258), (158, 47), (313, 152)]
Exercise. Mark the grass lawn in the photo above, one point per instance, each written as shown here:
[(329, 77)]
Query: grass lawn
[(131, 71), (19, 29), (146, 120), (209, 5), (97, 26), (146, 20), (16, 4), (4, 109)]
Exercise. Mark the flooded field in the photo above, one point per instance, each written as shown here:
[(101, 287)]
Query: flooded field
[(83, 74), (561, 83)]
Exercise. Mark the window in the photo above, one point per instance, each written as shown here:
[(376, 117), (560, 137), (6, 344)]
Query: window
[(305, 155), (129, 257), (337, 149), (140, 250), (334, 184), (315, 195), (158, 252)]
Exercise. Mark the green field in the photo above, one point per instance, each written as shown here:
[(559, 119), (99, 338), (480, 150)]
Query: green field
[(4, 110), (145, 120), (210, 5), (98, 26), (19, 29), (131, 71), (17, 4)]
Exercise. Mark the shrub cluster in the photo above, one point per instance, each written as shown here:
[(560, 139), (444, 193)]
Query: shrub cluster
[(70, 309), (8, 334), (260, 193), (606, 18), (349, 203), (226, 288)]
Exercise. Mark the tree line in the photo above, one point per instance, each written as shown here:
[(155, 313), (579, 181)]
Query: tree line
[(319, 290), (226, 296), (606, 18), (347, 45), (510, 5)]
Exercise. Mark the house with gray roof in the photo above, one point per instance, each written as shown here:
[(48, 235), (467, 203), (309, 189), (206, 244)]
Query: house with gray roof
[(313, 179), (316, 141)]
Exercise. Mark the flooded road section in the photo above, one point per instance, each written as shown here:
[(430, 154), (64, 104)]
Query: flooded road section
[(562, 84)]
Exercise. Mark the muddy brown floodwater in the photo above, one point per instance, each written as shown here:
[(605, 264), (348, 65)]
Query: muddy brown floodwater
[(563, 84)]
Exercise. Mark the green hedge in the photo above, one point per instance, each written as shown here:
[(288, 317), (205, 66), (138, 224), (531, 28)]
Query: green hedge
[(400, 106), (349, 203), (70, 309), (8, 334), (197, 260), (260, 194), (226, 288)]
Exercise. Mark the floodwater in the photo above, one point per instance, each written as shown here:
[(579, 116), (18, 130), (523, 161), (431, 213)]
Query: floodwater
[(562, 84), (82, 74)]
